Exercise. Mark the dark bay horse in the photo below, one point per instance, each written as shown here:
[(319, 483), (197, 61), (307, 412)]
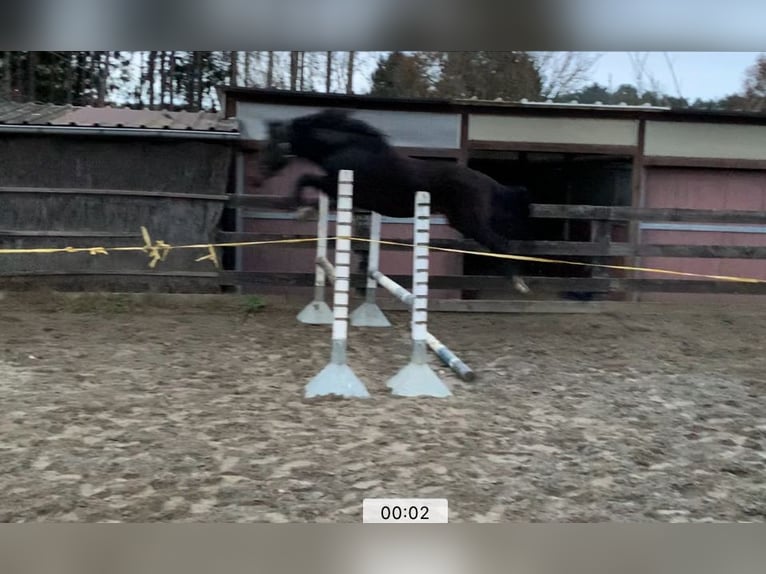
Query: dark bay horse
[(385, 181)]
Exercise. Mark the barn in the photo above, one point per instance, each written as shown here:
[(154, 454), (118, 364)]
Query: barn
[(567, 154)]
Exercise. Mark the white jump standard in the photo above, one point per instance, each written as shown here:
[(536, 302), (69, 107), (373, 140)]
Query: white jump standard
[(318, 312), (337, 378), (368, 314), (418, 378)]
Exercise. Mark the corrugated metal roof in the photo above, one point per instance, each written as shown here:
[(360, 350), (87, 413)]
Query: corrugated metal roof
[(14, 113), (30, 114)]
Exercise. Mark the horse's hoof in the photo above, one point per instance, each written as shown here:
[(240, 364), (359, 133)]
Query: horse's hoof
[(305, 213), (521, 286)]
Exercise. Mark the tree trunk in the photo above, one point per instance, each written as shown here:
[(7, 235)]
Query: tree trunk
[(199, 74), (233, 63), (350, 73), (301, 70), (103, 78), (150, 76), (31, 72), (328, 73), (7, 59), (78, 98), (171, 79), (246, 79), (293, 70), (190, 73), (69, 72), (163, 78), (270, 70)]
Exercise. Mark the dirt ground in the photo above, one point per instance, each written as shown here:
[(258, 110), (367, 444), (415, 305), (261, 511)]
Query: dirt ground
[(118, 411)]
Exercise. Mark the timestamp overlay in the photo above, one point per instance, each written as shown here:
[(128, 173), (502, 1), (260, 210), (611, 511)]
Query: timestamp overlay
[(405, 511)]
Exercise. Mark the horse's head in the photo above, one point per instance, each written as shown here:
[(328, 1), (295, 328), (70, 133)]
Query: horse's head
[(318, 136)]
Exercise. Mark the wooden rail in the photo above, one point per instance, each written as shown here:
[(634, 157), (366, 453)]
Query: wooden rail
[(600, 246), (543, 248), (563, 211)]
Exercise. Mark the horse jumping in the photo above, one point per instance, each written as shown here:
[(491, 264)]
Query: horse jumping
[(386, 180)]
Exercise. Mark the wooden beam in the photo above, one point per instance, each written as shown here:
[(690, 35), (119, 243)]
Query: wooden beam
[(65, 233), (705, 163), (97, 274), (623, 213), (500, 306), (115, 192), (596, 149), (563, 211), (499, 283), (638, 196)]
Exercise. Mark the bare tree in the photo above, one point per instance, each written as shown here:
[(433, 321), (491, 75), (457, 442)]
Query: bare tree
[(270, 70), (563, 72), (7, 59), (31, 72), (350, 73), (246, 71), (293, 70), (103, 77), (233, 68), (152, 63), (755, 86), (328, 73)]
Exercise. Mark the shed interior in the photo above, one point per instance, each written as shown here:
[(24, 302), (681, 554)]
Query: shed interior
[(556, 178)]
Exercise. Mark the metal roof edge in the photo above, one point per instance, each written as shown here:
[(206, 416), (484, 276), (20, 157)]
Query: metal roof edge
[(123, 131), (462, 106)]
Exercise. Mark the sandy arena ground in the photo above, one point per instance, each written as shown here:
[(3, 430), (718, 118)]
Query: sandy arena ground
[(112, 411)]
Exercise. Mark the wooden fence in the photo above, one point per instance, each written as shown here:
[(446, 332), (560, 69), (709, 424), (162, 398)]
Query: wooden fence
[(601, 249), (173, 214)]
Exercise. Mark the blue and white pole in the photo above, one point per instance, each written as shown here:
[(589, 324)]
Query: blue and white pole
[(337, 378), (417, 378)]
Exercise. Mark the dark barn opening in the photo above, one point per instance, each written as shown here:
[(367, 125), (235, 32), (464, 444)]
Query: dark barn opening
[(555, 178)]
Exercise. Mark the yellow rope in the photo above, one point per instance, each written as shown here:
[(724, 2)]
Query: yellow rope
[(159, 250)]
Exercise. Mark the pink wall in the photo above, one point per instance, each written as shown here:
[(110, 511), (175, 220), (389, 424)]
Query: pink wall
[(705, 189)]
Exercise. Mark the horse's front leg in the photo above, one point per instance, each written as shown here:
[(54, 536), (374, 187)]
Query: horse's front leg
[(307, 208)]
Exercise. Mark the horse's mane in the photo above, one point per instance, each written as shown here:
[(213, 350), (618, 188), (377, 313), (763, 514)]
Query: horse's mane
[(341, 120)]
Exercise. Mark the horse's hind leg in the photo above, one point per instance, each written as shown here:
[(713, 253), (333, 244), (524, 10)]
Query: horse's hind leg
[(499, 244)]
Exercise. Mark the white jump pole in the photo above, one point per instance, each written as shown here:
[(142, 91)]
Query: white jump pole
[(318, 312), (375, 277), (442, 351), (417, 378), (368, 314), (337, 378)]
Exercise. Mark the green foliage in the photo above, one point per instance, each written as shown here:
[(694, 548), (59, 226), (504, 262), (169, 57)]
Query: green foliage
[(630, 95), (401, 75), (488, 75), (254, 304)]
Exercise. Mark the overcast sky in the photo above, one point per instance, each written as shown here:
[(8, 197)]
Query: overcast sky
[(700, 74)]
